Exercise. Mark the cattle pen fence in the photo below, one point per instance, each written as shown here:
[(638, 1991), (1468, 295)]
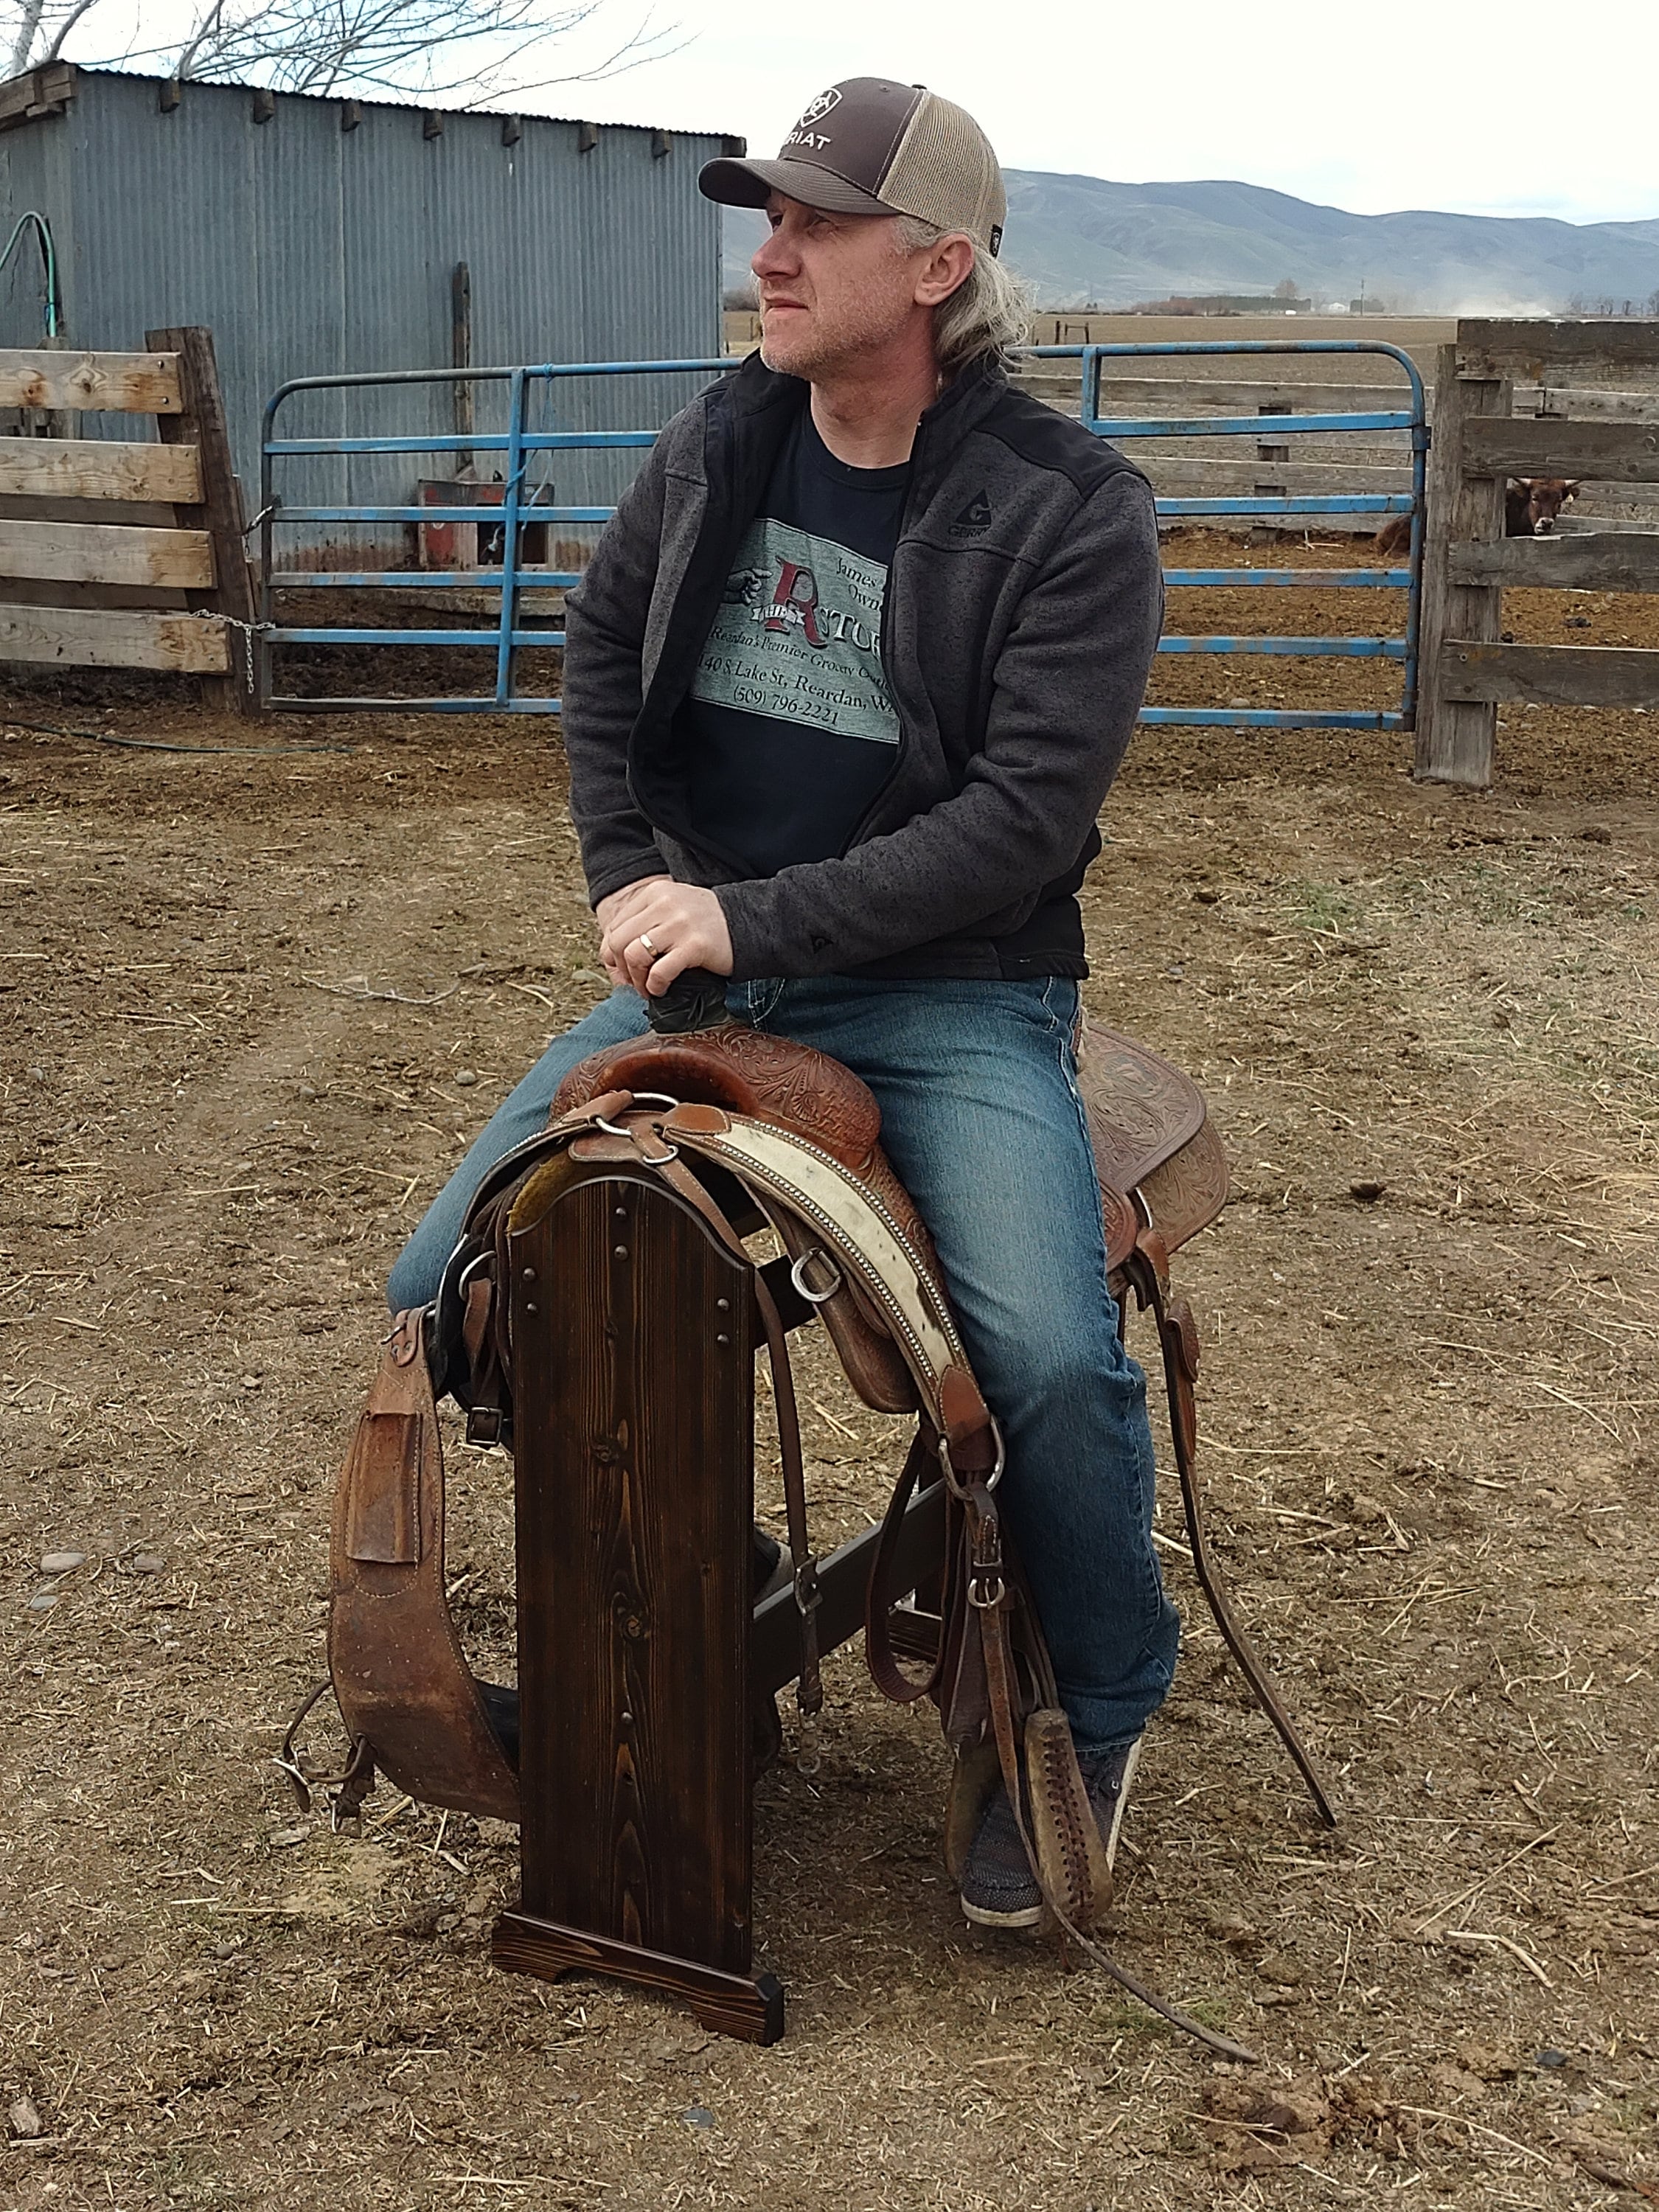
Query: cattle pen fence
[(1601, 434), (551, 459)]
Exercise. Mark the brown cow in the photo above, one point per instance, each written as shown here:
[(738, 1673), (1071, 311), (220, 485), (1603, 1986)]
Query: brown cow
[(1531, 508), (1532, 504)]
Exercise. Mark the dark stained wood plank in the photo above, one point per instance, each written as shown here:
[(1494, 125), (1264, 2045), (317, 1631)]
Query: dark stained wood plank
[(633, 1377), (843, 1581), (1617, 452), (1551, 675), (750, 2008)]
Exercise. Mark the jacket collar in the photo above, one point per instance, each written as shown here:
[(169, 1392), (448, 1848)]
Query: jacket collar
[(755, 390)]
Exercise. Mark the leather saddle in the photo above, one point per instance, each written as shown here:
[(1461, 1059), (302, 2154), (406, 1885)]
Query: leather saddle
[(409, 1700)]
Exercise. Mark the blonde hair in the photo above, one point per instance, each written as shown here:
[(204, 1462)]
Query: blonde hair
[(987, 316)]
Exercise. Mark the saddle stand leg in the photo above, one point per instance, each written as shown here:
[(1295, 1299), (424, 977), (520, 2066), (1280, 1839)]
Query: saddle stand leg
[(633, 1333)]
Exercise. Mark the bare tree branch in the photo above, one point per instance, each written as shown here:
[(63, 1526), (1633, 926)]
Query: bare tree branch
[(437, 47)]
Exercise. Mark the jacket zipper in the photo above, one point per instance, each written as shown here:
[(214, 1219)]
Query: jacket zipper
[(856, 835)]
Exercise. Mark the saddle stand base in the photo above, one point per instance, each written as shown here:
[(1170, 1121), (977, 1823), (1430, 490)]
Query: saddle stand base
[(749, 2007)]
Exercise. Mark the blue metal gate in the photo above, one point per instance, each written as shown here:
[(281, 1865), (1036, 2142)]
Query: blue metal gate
[(520, 442)]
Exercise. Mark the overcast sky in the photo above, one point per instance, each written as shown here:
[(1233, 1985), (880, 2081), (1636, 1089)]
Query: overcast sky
[(1525, 108)]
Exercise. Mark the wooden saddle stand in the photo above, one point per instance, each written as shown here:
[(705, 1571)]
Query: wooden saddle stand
[(601, 1315)]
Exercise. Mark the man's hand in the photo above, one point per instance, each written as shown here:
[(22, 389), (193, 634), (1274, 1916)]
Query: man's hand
[(686, 926)]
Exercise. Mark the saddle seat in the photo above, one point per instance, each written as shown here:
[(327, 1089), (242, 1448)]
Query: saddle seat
[(1158, 1163)]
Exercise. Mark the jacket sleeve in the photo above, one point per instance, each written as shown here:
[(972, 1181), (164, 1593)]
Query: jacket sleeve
[(605, 619), (1067, 686)]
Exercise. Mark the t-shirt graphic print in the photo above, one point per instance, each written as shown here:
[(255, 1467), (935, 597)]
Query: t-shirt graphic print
[(798, 637), (788, 731)]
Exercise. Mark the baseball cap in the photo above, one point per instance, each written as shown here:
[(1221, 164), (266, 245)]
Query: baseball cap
[(870, 147)]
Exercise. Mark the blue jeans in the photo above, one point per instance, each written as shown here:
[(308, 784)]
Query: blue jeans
[(981, 1120)]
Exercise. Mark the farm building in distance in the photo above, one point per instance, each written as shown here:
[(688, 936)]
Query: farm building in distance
[(314, 236)]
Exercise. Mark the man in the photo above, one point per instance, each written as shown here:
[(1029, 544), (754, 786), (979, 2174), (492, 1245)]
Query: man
[(847, 678)]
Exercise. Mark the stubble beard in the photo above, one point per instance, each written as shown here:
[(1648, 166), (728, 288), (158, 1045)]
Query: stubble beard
[(832, 343)]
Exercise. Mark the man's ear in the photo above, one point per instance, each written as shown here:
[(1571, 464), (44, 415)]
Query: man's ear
[(947, 268)]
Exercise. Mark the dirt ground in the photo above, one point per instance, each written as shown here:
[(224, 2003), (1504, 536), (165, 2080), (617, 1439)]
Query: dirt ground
[(254, 1006)]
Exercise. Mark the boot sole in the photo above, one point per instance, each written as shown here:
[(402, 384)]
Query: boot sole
[(1028, 1916)]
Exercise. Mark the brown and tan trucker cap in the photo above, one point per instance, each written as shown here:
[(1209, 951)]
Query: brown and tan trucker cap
[(870, 147)]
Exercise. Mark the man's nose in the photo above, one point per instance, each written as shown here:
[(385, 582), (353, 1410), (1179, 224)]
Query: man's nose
[(776, 256)]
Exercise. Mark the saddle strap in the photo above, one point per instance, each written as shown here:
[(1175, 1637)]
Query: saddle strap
[(998, 1673), (1178, 1341), (809, 1691), (400, 1678), (781, 1169)]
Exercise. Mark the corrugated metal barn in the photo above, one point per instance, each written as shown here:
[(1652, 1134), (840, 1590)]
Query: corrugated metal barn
[(317, 235)]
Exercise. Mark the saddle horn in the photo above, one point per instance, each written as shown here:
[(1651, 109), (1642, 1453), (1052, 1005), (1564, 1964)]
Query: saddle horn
[(696, 999)]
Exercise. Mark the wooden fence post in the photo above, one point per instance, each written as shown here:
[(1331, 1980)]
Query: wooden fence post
[(1454, 736), (202, 423)]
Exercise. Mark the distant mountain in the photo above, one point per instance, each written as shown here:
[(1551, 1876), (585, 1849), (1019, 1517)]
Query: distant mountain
[(1078, 238)]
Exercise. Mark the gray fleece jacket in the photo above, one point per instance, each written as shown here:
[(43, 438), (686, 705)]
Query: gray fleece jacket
[(1024, 605)]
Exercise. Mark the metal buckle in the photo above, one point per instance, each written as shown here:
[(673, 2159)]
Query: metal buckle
[(990, 1481), (652, 1097), (808, 1596), (987, 1595), (798, 1277)]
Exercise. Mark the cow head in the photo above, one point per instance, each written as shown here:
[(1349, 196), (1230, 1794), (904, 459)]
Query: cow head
[(1545, 497)]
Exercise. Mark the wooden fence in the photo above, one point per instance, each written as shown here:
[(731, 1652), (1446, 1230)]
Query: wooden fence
[(124, 554), (1478, 443)]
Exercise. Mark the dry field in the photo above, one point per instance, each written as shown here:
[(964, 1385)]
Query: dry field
[(252, 1007)]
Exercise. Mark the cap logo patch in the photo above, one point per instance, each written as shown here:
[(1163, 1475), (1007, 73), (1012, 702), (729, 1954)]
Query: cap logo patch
[(816, 110)]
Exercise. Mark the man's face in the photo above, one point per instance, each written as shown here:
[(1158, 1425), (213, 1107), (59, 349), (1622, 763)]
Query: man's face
[(832, 287)]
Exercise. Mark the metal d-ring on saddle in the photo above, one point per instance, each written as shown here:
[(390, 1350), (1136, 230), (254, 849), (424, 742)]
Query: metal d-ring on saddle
[(598, 1314)]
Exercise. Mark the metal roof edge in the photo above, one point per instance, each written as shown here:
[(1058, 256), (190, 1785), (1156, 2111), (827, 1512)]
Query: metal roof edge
[(36, 93)]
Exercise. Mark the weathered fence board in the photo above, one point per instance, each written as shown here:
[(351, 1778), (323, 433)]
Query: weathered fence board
[(126, 554), (1614, 561), (1455, 736), (107, 553), (89, 468), (1582, 400), (1060, 385), (107, 383), (1178, 479), (1550, 675), (1487, 349), (1624, 452), (103, 637), (201, 422)]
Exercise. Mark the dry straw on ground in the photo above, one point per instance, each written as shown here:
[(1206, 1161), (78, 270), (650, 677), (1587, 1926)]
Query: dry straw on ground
[(239, 1000)]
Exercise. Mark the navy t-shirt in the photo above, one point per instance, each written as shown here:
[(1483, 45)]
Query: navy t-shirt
[(788, 731)]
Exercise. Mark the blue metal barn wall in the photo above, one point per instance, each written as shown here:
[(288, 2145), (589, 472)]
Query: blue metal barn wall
[(309, 249)]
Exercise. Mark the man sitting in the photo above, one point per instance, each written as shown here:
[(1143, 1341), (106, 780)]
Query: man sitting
[(847, 678)]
